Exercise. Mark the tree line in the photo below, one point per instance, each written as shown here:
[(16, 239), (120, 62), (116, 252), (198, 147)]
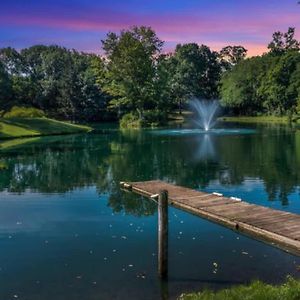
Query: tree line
[(135, 78), (267, 84), (59, 81)]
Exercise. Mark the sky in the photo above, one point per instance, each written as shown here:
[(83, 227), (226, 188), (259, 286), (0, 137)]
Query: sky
[(81, 24)]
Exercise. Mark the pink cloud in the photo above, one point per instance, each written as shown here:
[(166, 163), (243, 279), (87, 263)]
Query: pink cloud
[(191, 23), (253, 31)]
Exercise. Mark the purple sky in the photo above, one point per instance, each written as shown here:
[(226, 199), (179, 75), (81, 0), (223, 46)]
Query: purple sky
[(81, 24)]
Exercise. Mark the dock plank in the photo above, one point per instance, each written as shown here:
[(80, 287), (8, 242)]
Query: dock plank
[(275, 227)]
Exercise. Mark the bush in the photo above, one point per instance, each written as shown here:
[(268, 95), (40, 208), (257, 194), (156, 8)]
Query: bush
[(24, 112), (151, 118), (130, 120)]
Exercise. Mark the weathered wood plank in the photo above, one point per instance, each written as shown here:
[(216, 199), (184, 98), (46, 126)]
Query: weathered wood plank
[(258, 215), (202, 202), (278, 228), (272, 219)]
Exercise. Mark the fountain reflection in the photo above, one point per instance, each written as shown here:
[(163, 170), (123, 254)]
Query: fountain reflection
[(205, 148)]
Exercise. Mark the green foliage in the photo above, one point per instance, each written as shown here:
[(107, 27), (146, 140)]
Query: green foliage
[(134, 77), (283, 42), (154, 118), (163, 89), (131, 68), (59, 81), (5, 86), (130, 120), (232, 55), (239, 87), (195, 73), (280, 85), (24, 112), (255, 291), (269, 84), (298, 106), (151, 118)]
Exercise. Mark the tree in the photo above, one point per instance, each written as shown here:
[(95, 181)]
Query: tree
[(22, 85), (196, 73), (62, 82), (91, 102), (130, 72), (239, 86), (232, 55), (12, 61), (52, 68), (5, 87), (208, 86), (283, 42), (268, 84), (165, 69), (279, 87)]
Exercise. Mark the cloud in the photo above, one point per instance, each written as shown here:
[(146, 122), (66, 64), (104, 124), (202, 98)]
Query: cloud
[(214, 28)]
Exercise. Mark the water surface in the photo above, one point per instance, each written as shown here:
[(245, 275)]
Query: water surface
[(68, 232)]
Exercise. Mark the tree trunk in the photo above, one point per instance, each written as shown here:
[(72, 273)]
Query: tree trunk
[(180, 107), (140, 113)]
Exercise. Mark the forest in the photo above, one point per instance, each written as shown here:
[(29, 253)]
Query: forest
[(135, 81)]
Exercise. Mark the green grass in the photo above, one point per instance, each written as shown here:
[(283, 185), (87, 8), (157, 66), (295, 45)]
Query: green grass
[(30, 127), (255, 291), (260, 119)]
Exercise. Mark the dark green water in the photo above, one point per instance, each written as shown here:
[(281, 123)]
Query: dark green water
[(68, 232)]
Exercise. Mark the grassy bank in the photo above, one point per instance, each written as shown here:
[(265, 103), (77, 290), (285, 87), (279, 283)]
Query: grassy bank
[(260, 119), (30, 127), (255, 291)]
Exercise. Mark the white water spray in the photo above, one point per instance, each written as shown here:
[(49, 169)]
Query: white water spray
[(205, 112)]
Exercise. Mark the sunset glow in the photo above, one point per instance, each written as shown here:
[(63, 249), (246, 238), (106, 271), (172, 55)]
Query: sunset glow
[(82, 24)]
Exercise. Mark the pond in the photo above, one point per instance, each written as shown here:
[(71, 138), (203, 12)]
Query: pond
[(68, 232)]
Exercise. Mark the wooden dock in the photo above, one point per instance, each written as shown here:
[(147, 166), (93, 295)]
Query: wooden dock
[(278, 228)]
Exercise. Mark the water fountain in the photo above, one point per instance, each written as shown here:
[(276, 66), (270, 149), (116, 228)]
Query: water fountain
[(205, 112), (204, 119)]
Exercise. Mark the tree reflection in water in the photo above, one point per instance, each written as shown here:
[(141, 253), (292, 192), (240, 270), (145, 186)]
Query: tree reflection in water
[(61, 164)]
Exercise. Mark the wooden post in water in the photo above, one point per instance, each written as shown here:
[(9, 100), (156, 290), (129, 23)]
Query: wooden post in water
[(163, 234)]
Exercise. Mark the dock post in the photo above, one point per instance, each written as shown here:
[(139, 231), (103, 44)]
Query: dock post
[(163, 234)]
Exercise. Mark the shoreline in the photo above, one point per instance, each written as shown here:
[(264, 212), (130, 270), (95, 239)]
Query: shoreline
[(18, 128), (260, 119)]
